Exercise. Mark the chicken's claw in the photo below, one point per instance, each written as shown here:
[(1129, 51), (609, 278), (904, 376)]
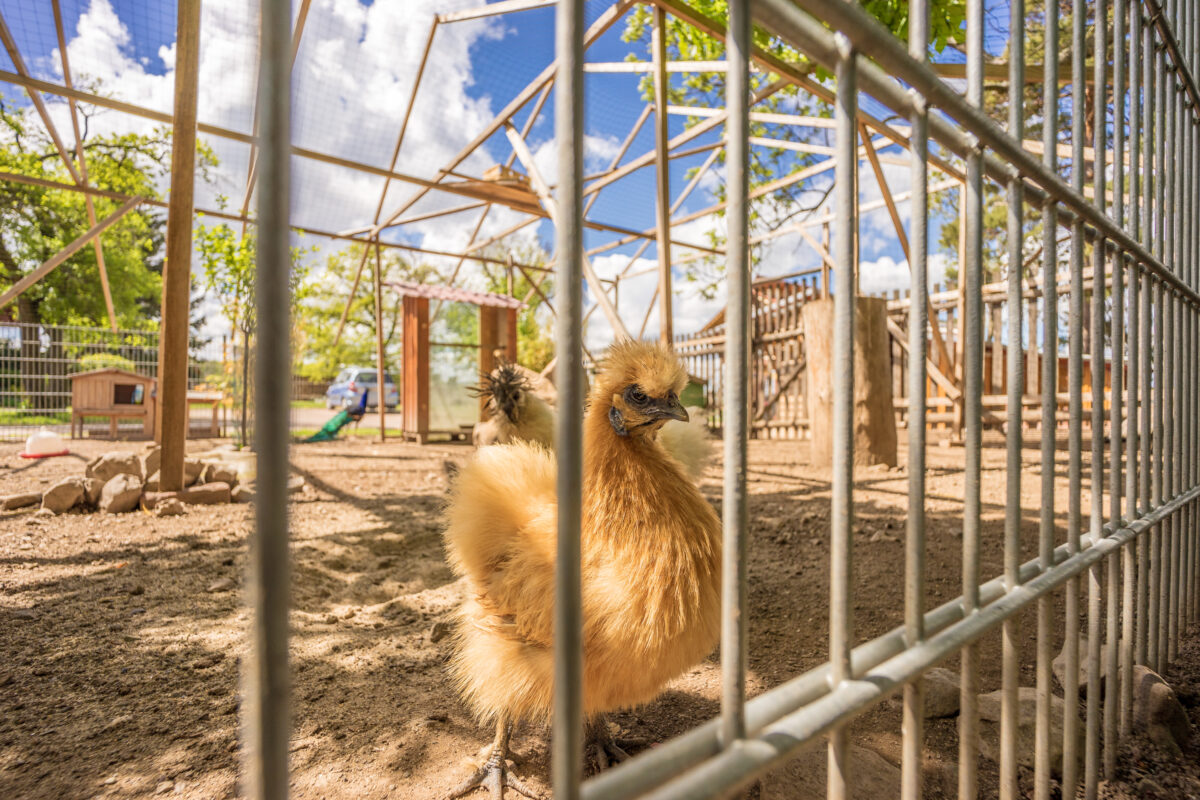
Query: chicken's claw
[(493, 775), (603, 749)]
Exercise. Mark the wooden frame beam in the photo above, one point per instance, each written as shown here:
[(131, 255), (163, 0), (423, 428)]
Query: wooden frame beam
[(543, 192), (88, 203), (662, 167)]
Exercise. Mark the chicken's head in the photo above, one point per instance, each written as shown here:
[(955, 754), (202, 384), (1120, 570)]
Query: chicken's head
[(638, 388)]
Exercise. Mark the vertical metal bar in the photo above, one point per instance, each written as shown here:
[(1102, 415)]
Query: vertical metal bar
[(1115, 679), (1045, 607), (1097, 362), (737, 378), (1129, 553), (1075, 406), (269, 684), (1157, 648), (841, 610), (1014, 425), (972, 371), (1143, 633), (913, 722), (1177, 368), (567, 742)]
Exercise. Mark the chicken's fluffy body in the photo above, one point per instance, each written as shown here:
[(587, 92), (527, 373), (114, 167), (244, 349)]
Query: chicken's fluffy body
[(517, 406), (651, 556)]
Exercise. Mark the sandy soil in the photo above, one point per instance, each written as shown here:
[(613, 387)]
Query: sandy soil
[(122, 650)]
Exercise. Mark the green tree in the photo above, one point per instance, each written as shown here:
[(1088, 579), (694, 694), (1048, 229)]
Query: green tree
[(230, 269)]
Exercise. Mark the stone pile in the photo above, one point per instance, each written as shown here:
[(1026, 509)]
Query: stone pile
[(115, 483)]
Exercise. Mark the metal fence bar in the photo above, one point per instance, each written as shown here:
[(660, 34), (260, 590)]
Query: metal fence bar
[(1129, 554), (567, 743), (1096, 437), (734, 510), (1145, 570), (841, 536), (1045, 607), (1070, 768), (972, 372), (1116, 679), (913, 721), (269, 679), (1014, 428)]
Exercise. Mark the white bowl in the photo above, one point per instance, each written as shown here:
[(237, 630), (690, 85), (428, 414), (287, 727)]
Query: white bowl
[(44, 443)]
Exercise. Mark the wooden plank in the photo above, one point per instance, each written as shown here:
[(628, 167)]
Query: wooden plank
[(380, 366), (939, 377), (662, 165), (415, 405), (177, 273)]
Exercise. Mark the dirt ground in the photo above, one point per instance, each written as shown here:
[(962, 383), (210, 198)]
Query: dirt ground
[(121, 650)]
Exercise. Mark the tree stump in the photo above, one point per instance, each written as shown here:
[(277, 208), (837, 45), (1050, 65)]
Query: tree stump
[(874, 417)]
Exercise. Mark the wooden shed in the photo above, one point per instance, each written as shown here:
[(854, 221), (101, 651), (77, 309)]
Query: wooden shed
[(497, 336), (113, 393)]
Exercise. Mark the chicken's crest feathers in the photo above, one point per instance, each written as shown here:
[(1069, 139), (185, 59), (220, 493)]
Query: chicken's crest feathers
[(650, 365), (503, 389)]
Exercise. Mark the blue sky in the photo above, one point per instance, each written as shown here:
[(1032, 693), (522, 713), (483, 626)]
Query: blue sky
[(353, 77)]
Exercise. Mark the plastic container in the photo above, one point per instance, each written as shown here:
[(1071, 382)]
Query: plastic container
[(44, 444)]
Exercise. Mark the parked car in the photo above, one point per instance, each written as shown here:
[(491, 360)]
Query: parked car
[(346, 390)]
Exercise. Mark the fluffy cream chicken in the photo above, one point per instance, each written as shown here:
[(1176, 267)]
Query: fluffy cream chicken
[(516, 412), (651, 564)]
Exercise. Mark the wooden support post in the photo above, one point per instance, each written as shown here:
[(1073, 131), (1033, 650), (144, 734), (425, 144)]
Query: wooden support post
[(380, 366), (666, 326), (415, 403), (173, 347), (961, 333), (825, 265)]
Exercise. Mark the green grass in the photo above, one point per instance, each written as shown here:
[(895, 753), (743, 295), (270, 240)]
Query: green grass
[(349, 430), (10, 417), (308, 404)]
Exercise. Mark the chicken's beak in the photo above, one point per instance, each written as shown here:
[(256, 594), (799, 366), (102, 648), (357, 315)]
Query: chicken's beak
[(670, 408)]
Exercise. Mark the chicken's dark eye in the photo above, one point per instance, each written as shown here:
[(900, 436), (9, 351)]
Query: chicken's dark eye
[(636, 395)]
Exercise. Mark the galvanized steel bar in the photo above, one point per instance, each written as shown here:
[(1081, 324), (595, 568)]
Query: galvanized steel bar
[(567, 742), (1045, 608), (735, 519), (971, 273), (1171, 382), (912, 775), (1091, 771), (1014, 424), (841, 541), (268, 691)]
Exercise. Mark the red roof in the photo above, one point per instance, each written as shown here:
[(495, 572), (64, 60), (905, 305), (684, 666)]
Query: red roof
[(435, 292)]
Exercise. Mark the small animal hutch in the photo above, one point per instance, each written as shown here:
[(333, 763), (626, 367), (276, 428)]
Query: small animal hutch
[(113, 393), (497, 337)]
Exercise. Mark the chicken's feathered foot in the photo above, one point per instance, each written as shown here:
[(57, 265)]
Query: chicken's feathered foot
[(493, 774), (602, 749)]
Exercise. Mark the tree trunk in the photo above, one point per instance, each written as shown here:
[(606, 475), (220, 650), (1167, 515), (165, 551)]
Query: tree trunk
[(874, 418)]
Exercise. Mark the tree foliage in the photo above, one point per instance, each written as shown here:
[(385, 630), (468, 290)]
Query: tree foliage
[(36, 222)]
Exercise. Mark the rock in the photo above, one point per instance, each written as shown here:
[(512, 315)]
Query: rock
[(121, 494), (192, 468), (439, 631), (63, 495), (941, 693), (151, 460), (25, 613), (221, 585), (110, 465), (1059, 666), (989, 727), (207, 494), (242, 494), (38, 516), (164, 787), (216, 472), (804, 776), (170, 507), (295, 484), (151, 484), (92, 487), (1157, 712), (22, 500)]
